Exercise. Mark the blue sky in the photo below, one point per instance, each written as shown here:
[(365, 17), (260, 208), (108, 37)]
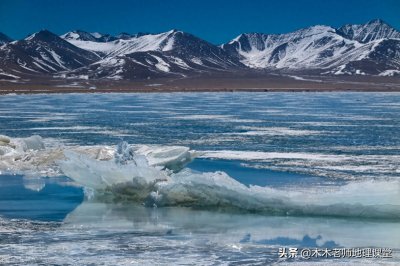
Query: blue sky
[(214, 20)]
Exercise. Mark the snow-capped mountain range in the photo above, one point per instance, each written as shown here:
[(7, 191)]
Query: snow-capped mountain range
[(367, 49), (172, 53), (371, 48)]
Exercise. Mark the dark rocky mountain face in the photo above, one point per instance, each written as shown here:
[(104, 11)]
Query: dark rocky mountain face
[(44, 52), (193, 50), (383, 60), (138, 65)]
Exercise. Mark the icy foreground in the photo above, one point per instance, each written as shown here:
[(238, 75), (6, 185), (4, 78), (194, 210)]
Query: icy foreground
[(156, 176), (138, 181), (36, 157)]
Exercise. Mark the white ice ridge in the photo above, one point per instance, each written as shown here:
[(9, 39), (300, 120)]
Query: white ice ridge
[(38, 157), (135, 180)]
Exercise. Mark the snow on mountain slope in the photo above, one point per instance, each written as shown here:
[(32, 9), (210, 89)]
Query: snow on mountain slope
[(382, 59), (373, 30), (198, 53), (79, 35), (150, 42), (371, 48), (172, 53), (317, 47), (149, 64), (124, 45), (139, 65), (184, 46), (390, 73), (43, 52)]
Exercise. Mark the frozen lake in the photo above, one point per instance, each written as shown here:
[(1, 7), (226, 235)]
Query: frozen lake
[(268, 171)]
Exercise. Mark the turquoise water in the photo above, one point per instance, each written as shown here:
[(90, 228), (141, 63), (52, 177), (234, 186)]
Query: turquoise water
[(290, 142)]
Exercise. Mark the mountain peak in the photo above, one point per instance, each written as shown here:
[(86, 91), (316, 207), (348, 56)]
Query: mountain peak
[(376, 21), (375, 29), (125, 36), (42, 35), (4, 39), (80, 35), (96, 34), (177, 31)]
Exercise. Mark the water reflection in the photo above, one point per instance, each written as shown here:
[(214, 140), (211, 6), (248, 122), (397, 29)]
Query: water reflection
[(234, 228), (38, 198)]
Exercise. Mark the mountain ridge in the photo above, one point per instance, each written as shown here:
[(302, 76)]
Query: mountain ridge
[(333, 51), (372, 48)]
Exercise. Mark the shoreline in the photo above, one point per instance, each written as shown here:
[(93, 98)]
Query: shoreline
[(36, 92), (206, 84)]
